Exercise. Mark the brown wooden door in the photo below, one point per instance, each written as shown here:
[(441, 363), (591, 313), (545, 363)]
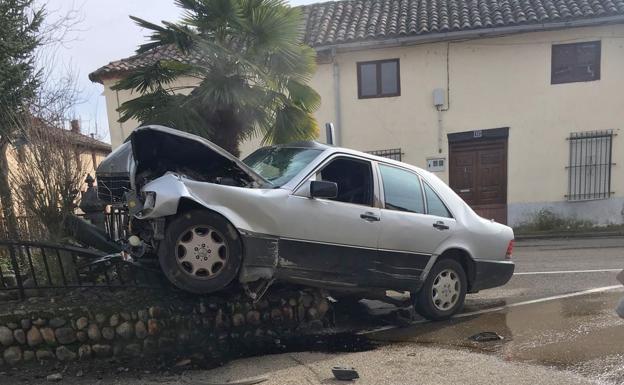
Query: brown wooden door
[(478, 173)]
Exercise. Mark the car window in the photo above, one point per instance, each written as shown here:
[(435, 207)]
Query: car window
[(401, 190), (435, 206), (354, 179), (278, 165)]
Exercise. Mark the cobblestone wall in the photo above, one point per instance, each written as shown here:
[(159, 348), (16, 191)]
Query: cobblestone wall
[(156, 324)]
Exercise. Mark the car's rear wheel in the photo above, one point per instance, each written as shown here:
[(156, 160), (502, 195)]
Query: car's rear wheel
[(201, 252), (443, 292)]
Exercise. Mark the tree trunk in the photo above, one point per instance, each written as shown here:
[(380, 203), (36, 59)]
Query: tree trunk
[(6, 198), (227, 133)]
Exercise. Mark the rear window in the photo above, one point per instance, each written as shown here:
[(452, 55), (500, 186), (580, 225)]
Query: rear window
[(402, 190)]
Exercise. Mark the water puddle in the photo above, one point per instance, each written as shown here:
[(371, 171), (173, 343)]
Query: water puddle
[(582, 334)]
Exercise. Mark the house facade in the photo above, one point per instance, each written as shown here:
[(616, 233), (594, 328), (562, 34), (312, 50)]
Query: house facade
[(517, 105), (88, 152)]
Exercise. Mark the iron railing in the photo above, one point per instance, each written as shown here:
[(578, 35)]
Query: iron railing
[(28, 268), (589, 168), (29, 228), (393, 153), (116, 224)]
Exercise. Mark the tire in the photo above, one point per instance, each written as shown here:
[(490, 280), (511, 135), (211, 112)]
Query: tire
[(201, 252), (451, 277)]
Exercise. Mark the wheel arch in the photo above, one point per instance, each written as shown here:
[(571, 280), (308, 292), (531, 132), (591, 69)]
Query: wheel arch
[(464, 258), (187, 203)]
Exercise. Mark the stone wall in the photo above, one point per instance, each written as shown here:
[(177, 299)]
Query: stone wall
[(139, 324)]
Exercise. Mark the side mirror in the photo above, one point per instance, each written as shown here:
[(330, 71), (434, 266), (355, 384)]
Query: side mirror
[(323, 189)]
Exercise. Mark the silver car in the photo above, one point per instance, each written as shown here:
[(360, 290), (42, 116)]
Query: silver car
[(302, 213)]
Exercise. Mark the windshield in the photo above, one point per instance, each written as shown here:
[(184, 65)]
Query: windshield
[(278, 165)]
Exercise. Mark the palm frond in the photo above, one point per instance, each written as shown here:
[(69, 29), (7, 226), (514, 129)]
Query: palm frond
[(303, 96), (253, 68), (155, 76), (291, 124), (170, 33)]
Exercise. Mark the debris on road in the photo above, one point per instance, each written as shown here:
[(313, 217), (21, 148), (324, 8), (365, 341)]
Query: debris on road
[(345, 374), (183, 362), (55, 377), (486, 337), (250, 381)]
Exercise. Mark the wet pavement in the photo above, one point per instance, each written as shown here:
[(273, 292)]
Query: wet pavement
[(556, 316), (558, 312)]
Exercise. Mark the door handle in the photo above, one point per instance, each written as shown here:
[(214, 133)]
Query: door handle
[(440, 225), (368, 216)]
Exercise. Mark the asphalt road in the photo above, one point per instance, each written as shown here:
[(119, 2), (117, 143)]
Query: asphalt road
[(557, 310), (552, 267), (556, 317)]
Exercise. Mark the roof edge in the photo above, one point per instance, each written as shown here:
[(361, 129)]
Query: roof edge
[(98, 77), (470, 34)]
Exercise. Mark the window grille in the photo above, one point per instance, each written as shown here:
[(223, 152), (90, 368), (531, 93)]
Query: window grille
[(589, 169), (393, 153)]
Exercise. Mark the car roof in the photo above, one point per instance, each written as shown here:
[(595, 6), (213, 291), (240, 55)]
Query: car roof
[(329, 149)]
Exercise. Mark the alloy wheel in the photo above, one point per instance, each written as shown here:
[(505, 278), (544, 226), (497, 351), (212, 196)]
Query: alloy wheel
[(446, 289), (202, 252)]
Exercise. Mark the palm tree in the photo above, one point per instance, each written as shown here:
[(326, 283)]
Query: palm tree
[(251, 69)]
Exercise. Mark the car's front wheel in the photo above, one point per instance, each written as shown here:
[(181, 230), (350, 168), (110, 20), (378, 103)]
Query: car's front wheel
[(201, 252), (443, 292)]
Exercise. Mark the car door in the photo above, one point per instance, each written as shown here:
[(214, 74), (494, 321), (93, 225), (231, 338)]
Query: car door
[(333, 241), (410, 233)]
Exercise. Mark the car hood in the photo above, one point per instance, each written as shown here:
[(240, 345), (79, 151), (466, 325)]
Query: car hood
[(150, 151)]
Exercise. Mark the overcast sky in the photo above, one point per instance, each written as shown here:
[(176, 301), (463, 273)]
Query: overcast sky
[(106, 34)]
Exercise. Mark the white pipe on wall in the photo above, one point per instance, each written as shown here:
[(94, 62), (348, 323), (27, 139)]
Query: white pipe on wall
[(337, 112)]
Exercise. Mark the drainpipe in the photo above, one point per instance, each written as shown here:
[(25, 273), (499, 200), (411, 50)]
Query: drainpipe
[(121, 130), (440, 100), (337, 112), (440, 129)]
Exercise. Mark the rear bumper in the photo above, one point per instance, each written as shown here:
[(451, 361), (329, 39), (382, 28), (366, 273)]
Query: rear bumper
[(490, 274)]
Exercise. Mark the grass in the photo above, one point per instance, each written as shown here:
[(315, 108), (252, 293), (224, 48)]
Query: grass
[(546, 221)]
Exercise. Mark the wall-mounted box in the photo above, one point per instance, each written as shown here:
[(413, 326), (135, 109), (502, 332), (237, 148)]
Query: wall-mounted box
[(436, 164)]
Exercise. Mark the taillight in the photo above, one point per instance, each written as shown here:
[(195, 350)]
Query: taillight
[(509, 249)]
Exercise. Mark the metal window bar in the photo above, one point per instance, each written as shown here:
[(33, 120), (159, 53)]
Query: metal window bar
[(590, 163), (393, 153)]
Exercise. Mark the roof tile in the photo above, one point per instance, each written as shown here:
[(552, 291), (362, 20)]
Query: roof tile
[(338, 22)]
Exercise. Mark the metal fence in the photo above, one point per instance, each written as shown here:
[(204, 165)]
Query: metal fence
[(28, 268), (393, 153), (116, 224), (589, 169), (29, 228)]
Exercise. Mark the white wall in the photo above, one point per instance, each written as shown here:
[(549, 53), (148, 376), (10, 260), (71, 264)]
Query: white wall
[(495, 82)]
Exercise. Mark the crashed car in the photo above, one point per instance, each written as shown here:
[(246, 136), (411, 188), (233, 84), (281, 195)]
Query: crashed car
[(303, 213)]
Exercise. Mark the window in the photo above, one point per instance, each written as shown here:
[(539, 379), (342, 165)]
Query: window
[(377, 79), (435, 206), (393, 153), (589, 171), (402, 190), (354, 179), (577, 62)]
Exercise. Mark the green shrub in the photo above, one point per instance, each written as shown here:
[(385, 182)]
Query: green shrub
[(547, 220)]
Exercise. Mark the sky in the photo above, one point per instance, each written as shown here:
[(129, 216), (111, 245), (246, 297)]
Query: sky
[(103, 34)]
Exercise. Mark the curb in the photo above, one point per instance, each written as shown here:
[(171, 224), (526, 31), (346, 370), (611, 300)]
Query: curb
[(597, 234)]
